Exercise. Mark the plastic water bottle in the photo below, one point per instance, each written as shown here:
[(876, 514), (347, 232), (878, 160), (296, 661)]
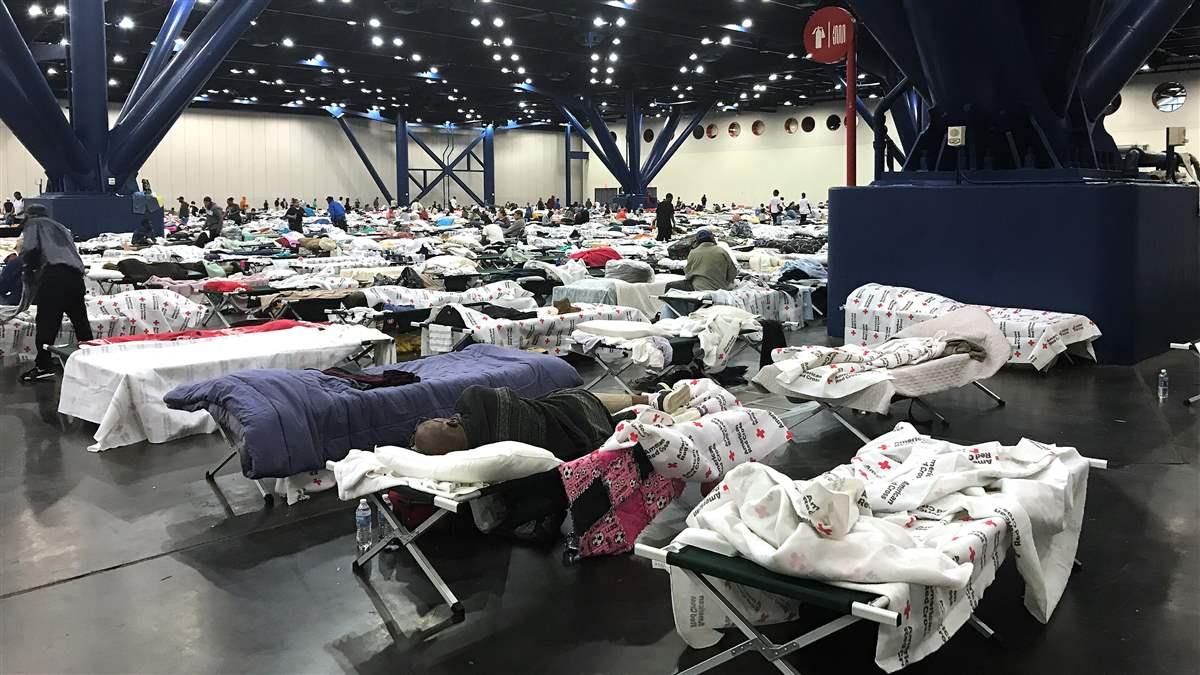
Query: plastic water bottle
[(362, 522), (1164, 385)]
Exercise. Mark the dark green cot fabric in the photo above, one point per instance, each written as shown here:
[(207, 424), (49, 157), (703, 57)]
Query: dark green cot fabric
[(747, 573)]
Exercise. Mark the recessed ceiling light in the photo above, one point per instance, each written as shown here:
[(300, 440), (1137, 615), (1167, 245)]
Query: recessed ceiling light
[(287, 42), (475, 22), (620, 21), (373, 22), (113, 82), (125, 23), (725, 41), (507, 41), (597, 22), (416, 57), (487, 42), (377, 41), (60, 10), (397, 42), (35, 10), (498, 22), (746, 23)]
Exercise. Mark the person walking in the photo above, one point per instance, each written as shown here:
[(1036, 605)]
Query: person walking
[(53, 280), (664, 218), (775, 208), (804, 208)]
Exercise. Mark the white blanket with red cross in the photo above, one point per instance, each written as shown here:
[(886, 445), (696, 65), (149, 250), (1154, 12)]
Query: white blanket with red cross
[(719, 434), (831, 373), (144, 312), (550, 330), (924, 522), (875, 312)]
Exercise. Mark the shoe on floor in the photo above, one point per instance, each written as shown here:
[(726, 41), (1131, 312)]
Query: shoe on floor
[(37, 373)]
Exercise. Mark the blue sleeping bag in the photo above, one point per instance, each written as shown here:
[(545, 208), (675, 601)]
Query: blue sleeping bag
[(285, 422)]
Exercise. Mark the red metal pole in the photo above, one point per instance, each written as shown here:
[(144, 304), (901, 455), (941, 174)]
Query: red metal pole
[(851, 111)]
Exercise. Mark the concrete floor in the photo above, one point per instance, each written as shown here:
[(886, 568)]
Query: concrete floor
[(129, 561)]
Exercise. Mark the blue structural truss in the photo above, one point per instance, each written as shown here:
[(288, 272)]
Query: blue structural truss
[(91, 169), (634, 175), (444, 170)]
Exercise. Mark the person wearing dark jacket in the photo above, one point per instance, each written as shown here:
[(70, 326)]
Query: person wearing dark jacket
[(214, 219), (233, 212), (295, 217), (664, 218), (53, 277), (185, 211)]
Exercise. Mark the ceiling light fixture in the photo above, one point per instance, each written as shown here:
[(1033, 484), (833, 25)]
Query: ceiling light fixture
[(287, 42)]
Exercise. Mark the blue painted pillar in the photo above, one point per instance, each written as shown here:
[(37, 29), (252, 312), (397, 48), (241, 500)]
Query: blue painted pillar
[(149, 120), (89, 80), (567, 163), (362, 155), (15, 113), (160, 53), (660, 145), (489, 165), (42, 109), (633, 151), (695, 121), (402, 193)]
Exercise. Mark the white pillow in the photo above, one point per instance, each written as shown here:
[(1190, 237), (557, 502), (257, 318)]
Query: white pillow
[(495, 463), (626, 330)]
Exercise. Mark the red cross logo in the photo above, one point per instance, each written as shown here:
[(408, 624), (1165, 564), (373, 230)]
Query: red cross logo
[(1017, 354), (888, 315), (621, 427), (789, 436), (695, 382), (975, 451), (907, 610), (707, 473), (989, 522), (885, 465), (972, 550), (698, 425), (316, 481), (731, 456), (672, 465), (633, 437), (725, 487), (853, 333), (760, 433), (883, 446), (856, 301), (823, 528)]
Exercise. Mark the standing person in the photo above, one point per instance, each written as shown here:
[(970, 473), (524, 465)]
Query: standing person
[(775, 208), (804, 208), (295, 217), (337, 213), (232, 211), (18, 208), (541, 205), (213, 219), (703, 202), (185, 211), (453, 203), (664, 218), (244, 204), (54, 278)]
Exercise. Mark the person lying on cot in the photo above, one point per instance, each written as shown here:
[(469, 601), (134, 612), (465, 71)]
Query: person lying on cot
[(569, 423)]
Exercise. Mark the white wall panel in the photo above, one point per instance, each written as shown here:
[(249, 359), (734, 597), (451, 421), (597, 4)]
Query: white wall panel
[(268, 156)]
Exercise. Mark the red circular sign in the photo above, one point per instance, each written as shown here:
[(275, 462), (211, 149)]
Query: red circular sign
[(828, 34)]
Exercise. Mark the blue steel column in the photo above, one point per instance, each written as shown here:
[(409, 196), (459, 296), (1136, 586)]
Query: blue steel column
[(489, 165), (89, 79), (567, 163), (660, 145), (615, 169), (362, 155), (633, 151), (43, 107), (160, 53), (605, 139), (131, 142), (402, 194)]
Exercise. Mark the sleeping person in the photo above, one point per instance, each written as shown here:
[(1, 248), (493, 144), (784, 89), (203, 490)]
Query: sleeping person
[(569, 423)]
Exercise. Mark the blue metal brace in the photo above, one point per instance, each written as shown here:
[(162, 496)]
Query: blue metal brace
[(489, 165), (362, 155), (160, 53), (132, 141), (683, 135)]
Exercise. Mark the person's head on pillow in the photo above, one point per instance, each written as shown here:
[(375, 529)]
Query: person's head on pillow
[(440, 436)]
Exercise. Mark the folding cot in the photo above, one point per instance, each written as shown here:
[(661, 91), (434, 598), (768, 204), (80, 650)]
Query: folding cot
[(1194, 348), (640, 296), (547, 331), (906, 382), (121, 386), (768, 303), (615, 359), (874, 313), (962, 507), (287, 422)]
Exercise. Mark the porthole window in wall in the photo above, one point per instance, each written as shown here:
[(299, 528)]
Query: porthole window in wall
[(833, 123), (758, 127), (648, 135), (792, 125), (711, 131), (1169, 96), (808, 124), (698, 132), (735, 130)]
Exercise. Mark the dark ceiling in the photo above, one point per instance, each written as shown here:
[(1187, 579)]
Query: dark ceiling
[(458, 60)]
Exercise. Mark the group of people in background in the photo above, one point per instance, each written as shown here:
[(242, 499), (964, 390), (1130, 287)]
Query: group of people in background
[(800, 210)]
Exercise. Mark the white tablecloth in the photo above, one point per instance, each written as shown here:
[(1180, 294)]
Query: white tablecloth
[(121, 387)]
